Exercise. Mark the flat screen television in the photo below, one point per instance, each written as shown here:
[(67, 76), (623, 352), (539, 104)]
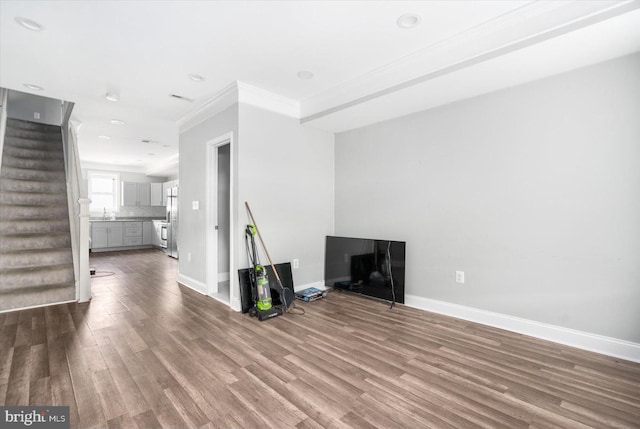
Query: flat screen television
[(367, 266)]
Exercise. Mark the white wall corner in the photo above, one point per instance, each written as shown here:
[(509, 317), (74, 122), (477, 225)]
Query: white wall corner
[(266, 100), (212, 106), (236, 305), (239, 92), (570, 337), (191, 283)]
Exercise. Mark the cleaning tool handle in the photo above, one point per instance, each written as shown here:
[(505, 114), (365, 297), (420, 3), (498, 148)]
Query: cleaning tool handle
[(255, 225)]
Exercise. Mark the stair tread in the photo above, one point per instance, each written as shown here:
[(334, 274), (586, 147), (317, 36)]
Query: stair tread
[(28, 235), (45, 287), (31, 206), (34, 193), (45, 151), (38, 183), (35, 205), (17, 141), (35, 268), (40, 170), (34, 251), (54, 164)]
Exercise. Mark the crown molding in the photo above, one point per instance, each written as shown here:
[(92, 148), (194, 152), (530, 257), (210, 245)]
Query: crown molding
[(266, 100), (239, 92), (224, 98), (530, 24)]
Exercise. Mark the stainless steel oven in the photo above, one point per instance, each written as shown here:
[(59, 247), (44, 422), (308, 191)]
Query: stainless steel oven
[(163, 235)]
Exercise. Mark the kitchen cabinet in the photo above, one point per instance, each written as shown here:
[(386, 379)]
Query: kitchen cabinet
[(106, 234), (136, 194), (148, 233), (157, 197), (132, 233)]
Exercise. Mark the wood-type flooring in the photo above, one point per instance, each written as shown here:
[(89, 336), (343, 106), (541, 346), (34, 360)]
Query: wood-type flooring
[(147, 352)]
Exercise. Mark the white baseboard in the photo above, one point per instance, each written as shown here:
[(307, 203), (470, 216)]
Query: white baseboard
[(192, 284), (570, 337), (223, 277)]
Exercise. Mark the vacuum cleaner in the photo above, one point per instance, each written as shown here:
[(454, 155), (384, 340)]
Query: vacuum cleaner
[(259, 279)]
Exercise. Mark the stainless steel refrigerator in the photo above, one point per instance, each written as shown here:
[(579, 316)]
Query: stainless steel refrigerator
[(172, 222)]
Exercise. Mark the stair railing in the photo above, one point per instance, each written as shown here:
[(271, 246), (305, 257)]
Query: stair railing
[(4, 94), (78, 206)]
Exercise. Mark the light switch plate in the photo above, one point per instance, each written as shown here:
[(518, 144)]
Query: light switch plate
[(195, 205)]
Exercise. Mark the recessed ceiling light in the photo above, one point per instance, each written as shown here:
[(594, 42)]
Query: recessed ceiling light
[(305, 75), (117, 122), (33, 86), (112, 96), (196, 77), (29, 23), (104, 137), (408, 20)]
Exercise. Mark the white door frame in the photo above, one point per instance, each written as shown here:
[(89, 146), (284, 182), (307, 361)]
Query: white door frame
[(212, 214)]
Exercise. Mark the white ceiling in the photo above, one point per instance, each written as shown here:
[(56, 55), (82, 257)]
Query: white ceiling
[(366, 68)]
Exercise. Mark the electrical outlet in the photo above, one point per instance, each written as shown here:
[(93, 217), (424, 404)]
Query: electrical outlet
[(296, 263), (36, 115), (460, 277)]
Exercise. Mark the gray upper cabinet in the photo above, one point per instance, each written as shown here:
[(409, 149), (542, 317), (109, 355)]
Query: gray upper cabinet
[(156, 194), (129, 194), (144, 194), (136, 194)]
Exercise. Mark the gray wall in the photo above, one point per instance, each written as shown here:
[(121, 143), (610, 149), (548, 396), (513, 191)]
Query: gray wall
[(286, 173), (533, 191), (192, 177), (22, 105)]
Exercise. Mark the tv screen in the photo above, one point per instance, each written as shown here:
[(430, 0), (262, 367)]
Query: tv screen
[(371, 267)]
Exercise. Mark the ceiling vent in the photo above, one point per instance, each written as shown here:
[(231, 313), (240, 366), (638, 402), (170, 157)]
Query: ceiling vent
[(180, 97)]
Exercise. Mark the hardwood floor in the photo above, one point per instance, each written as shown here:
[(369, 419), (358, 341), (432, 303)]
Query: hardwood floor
[(149, 353)]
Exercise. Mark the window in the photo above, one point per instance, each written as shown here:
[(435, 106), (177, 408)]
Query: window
[(103, 192)]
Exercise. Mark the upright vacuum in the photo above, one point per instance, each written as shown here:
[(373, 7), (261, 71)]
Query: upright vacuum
[(261, 287), (259, 279)]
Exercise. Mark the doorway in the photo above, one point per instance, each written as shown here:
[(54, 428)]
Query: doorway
[(219, 220)]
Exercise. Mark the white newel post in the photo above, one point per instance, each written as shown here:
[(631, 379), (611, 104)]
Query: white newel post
[(85, 276)]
